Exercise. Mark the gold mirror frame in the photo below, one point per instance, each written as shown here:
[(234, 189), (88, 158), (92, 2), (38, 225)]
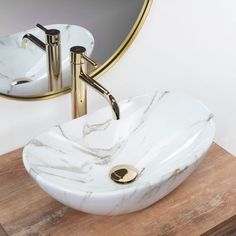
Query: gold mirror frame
[(104, 67)]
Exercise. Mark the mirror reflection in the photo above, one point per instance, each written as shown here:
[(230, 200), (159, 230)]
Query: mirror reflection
[(36, 37)]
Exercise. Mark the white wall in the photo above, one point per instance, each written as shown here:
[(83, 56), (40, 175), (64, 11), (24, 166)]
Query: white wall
[(187, 45)]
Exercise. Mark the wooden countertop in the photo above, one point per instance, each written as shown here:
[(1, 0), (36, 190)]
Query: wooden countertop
[(199, 205)]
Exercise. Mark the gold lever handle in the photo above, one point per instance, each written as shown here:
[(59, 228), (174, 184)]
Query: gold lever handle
[(92, 62), (78, 53), (42, 28)]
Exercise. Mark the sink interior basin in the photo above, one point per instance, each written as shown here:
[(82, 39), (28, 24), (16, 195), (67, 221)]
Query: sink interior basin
[(163, 135), (23, 71)]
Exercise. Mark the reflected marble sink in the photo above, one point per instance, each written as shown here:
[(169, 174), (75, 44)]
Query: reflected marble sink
[(29, 64), (163, 135)]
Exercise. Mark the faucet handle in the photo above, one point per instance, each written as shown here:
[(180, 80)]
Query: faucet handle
[(80, 52), (89, 60), (42, 28), (52, 35)]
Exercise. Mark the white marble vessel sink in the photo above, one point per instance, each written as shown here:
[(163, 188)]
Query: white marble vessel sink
[(29, 64), (163, 135)]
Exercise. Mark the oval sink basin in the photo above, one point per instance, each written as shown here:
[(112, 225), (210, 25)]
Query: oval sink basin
[(23, 71), (162, 135)]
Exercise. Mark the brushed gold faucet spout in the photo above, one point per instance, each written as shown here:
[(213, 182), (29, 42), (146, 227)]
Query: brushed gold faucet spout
[(115, 107), (80, 79), (33, 39), (104, 92)]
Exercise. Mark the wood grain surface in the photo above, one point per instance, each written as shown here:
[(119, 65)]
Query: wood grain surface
[(206, 199), (2, 231), (226, 228)]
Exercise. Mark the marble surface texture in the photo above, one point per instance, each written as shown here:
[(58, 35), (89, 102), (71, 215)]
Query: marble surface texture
[(163, 135), (17, 63)]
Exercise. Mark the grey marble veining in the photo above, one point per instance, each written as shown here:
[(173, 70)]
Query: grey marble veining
[(163, 135)]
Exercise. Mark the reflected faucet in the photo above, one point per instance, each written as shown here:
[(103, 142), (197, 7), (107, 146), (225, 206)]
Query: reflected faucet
[(52, 47), (80, 78)]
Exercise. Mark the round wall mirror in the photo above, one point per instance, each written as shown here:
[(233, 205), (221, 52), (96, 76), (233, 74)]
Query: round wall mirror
[(35, 40)]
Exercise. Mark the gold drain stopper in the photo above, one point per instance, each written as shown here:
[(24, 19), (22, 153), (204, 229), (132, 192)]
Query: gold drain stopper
[(123, 174), (20, 81)]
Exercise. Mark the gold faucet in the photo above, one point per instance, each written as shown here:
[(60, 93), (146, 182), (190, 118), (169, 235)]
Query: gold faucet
[(80, 78), (52, 47)]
